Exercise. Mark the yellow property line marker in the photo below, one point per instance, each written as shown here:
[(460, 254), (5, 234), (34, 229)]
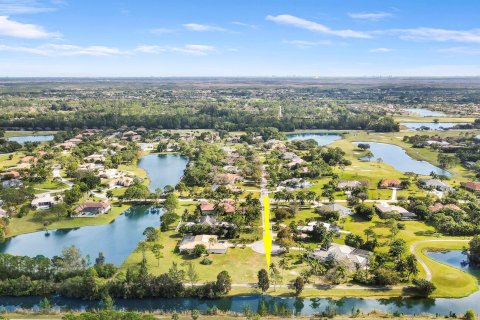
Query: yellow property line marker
[(267, 235)]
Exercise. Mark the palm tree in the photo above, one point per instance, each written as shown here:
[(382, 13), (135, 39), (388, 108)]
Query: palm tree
[(311, 196), (369, 233), (211, 242), (277, 196)]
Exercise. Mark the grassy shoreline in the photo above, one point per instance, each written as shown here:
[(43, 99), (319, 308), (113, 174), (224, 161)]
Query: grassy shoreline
[(19, 226)]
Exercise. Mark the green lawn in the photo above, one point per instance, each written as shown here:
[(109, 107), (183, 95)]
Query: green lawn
[(28, 224), (51, 185), (6, 162), (28, 133)]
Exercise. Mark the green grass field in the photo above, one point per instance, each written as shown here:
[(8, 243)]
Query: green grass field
[(28, 224), (9, 134)]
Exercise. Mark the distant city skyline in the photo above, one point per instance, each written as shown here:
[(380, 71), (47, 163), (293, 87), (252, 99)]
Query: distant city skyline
[(239, 38)]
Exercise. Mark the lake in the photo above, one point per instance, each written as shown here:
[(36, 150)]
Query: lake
[(310, 306), (425, 112), (117, 239), (322, 139), (398, 158), (163, 169), (32, 138), (430, 125)]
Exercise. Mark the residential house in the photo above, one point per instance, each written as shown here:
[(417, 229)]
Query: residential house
[(343, 254), (311, 225), (208, 221), (43, 202), (90, 166), (390, 183), (348, 184), (146, 146), (3, 213), (95, 158), (188, 243), (435, 184), (228, 178), (439, 206), (9, 175), (207, 208), (92, 208), (121, 182), (472, 186), (109, 174), (342, 210), (23, 166), (13, 183), (29, 159), (295, 183), (383, 209)]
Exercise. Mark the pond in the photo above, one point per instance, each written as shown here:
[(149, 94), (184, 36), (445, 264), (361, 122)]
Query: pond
[(400, 160), (425, 112), (32, 138), (116, 239), (322, 139), (163, 169), (310, 306), (430, 125), (454, 258)]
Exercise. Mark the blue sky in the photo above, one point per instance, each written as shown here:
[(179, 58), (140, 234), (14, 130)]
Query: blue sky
[(240, 38)]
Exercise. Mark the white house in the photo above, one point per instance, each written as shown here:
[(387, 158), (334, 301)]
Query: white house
[(43, 202), (349, 256)]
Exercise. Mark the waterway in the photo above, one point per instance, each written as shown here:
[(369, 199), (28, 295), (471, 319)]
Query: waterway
[(425, 112), (398, 158), (32, 138), (163, 169), (430, 125), (322, 139)]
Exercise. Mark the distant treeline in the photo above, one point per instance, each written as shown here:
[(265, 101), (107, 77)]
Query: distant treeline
[(205, 118)]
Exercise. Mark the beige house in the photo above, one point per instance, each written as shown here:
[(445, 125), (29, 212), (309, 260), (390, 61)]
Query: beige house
[(92, 208)]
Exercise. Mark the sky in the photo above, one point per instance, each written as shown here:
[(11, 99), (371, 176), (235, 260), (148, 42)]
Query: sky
[(236, 38)]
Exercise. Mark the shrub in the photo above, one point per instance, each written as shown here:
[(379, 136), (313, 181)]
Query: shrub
[(423, 287), (206, 261)]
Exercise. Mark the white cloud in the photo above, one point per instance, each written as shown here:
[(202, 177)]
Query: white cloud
[(16, 29), (194, 49), (202, 27), (316, 27), (381, 50), (465, 51), (8, 7), (434, 34), (188, 49), (308, 44), (150, 49), (246, 25), (372, 16), (54, 50)]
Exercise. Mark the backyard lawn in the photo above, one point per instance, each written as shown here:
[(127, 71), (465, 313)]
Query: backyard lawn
[(29, 224)]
